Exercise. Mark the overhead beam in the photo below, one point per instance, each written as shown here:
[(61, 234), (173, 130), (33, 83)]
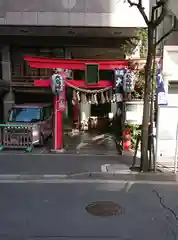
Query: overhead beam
[(46, 41), (41, 62)]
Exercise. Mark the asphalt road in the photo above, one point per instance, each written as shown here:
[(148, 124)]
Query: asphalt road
[(50, 211), (44, 197)]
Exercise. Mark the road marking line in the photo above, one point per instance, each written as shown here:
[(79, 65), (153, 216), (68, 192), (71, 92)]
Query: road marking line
[(80, 145), (59, 154), (128, 186), (81, 181), (104, 168), (31, 176)]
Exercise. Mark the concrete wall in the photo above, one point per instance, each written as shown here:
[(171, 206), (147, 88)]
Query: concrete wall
[(170, 63), (170, 73), (172, 39), (109, 13), (170, 60), (173, 94), (173, 7), (169, 48)]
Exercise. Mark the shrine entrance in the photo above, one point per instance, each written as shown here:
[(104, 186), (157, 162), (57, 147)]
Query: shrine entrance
[(88, 104)]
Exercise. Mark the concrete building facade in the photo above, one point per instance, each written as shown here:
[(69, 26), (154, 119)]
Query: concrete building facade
[(88, 13), (62, 28), (170, 54)]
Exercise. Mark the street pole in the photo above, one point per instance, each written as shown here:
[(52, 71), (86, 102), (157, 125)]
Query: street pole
[(151, 140)]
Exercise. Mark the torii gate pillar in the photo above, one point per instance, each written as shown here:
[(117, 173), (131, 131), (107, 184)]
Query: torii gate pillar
[(58, 126), (59, 106)]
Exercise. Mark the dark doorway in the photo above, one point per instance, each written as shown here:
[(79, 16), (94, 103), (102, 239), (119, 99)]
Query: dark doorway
[(100, 110), (24, 97)]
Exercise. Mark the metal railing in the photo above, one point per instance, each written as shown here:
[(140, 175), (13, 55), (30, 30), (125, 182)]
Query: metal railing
[(16, 136)]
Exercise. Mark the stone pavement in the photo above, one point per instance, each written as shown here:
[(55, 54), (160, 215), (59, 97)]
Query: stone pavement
[(83, 142), (85, 148), (38, 163), (80, 143), (83, 153)]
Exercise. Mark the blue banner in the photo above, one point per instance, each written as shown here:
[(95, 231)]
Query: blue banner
[(160, 91)]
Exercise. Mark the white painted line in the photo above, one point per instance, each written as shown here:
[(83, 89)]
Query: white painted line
[(62, 176), (10, 176), (98, 137), (80, 145), (59, 154), (54, 175), (104, 168), (31, 176), (128, 186), (79, 174), (72, 181), (122, 171)]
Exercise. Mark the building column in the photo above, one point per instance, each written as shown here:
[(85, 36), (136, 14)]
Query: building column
[(6, 75)]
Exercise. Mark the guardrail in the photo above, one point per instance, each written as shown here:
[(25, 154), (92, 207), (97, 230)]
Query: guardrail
[(16, 136)]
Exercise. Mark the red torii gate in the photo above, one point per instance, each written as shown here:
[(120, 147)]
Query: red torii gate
[(51, 63)]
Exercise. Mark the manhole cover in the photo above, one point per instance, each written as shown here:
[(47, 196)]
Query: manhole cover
[(103, 208)]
